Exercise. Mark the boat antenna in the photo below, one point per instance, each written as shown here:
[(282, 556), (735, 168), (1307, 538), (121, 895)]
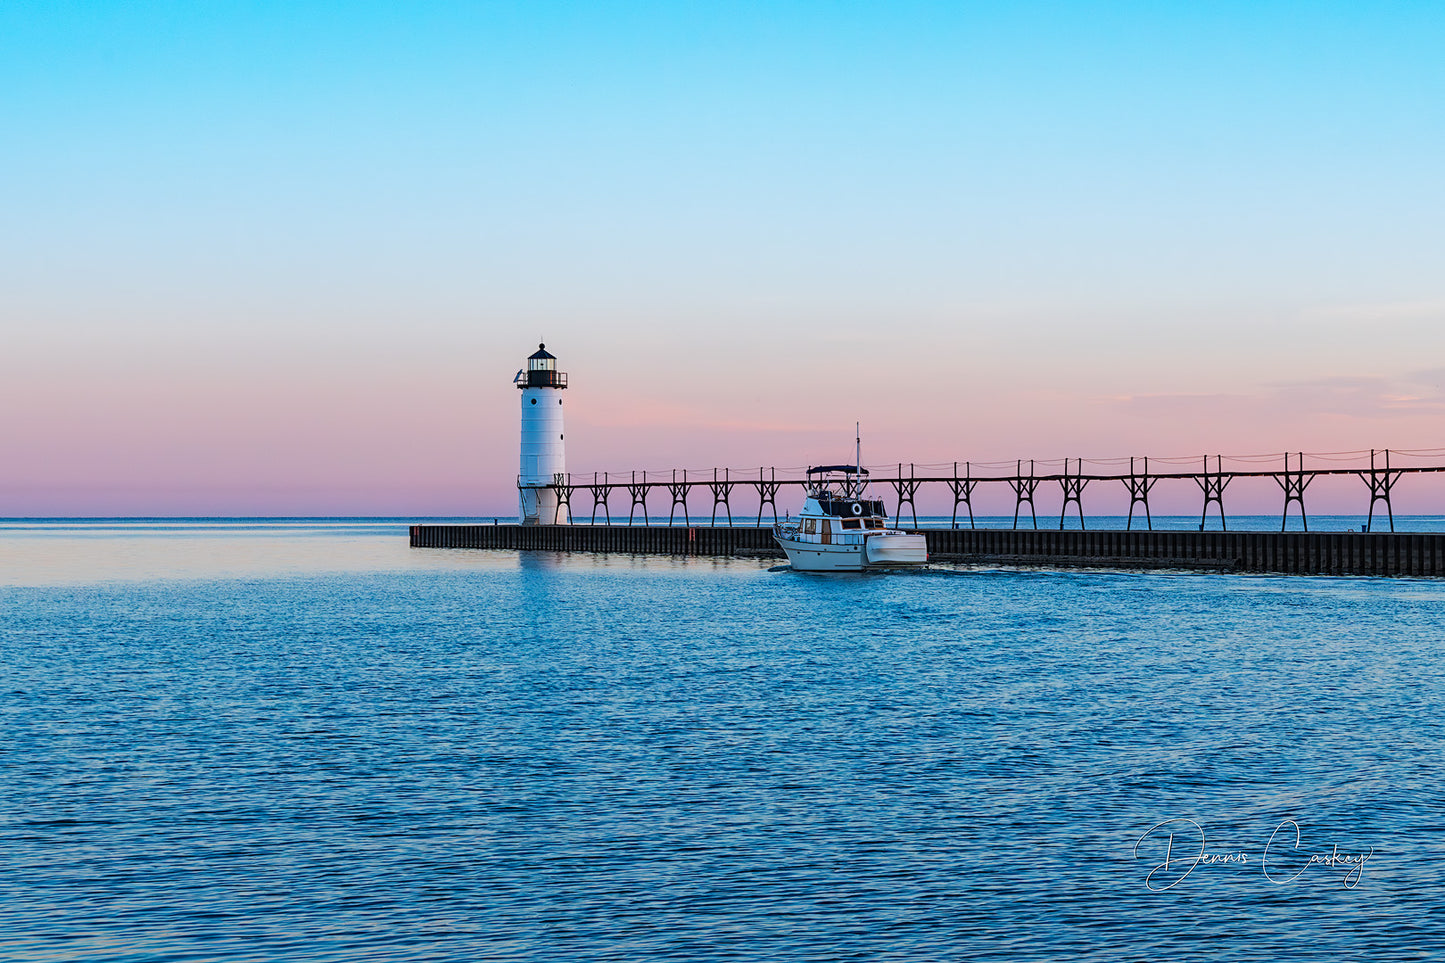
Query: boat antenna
[(857, 459)]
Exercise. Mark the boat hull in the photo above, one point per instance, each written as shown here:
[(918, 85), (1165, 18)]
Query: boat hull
[(817, 557), (892, 551)]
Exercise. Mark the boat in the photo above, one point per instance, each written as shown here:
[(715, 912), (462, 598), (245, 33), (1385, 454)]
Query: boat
[(841, 529)]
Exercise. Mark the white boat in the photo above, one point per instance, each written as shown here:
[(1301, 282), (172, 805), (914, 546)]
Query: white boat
[(841, 529)]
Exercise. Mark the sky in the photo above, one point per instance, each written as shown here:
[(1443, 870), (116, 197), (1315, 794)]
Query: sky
[(284, 258)]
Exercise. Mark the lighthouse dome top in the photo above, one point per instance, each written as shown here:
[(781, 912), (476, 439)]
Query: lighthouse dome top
[(541, 371)]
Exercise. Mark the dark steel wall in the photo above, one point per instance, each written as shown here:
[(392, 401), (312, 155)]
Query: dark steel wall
[(1294, 553), (640, 539)]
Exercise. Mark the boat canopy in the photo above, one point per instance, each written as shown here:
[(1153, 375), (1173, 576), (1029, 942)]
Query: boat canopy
[(850, 469)]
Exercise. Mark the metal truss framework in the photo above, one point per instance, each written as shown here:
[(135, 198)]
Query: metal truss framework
[(963, 493), (1213, 485), (906, 489), (562, 485), (1024, 491), (1380, 482), (678, 490), (1212, 479), (600, 494), (1073, 486), (639, 497), (767, 494), (1294, 483), (1139, 484), (721, 490)]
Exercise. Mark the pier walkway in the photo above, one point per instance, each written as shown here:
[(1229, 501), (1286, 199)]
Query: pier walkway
[(1294, 553)]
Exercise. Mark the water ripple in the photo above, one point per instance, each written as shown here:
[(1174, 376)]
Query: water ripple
[(569, 758)]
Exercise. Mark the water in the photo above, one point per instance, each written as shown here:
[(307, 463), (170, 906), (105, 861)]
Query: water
[(245, 741)]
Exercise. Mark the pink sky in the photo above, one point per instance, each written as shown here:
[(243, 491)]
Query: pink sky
[(378, 427)]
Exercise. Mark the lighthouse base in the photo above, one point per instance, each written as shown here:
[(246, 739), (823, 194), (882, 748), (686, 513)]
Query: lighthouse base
[(540, 506)]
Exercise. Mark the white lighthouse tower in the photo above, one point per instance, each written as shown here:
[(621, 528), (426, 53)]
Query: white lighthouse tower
[(543, 455)]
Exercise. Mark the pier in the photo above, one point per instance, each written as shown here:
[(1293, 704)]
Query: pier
[(1293, 553), (1208, 473), (593, 527)]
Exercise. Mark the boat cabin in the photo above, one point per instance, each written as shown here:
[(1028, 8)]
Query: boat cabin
[(830, 527), (835, 503)]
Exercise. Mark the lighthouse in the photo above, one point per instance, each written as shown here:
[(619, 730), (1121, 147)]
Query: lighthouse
[(543, 455)]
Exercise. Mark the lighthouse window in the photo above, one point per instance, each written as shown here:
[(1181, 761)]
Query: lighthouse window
[(559, 401), (534, 401)]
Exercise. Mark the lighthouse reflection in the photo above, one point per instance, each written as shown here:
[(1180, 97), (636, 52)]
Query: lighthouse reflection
[(541, 561)]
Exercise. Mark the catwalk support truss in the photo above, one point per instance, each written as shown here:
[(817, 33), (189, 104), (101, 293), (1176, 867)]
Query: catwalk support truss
[(1212, 478)]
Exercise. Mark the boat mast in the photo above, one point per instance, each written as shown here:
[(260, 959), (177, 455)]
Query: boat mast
[(857, 460)]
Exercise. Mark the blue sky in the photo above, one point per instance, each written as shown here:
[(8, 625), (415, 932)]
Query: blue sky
[(1095, 229)]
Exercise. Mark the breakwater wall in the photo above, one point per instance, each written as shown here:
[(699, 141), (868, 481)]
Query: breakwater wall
[(635, 539), (1295, 553)]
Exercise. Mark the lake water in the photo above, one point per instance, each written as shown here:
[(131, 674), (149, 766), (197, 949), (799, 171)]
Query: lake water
[(307, 741)]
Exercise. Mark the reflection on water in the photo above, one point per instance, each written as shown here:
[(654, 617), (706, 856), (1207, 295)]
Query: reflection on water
[(68, 552), (85, 552)]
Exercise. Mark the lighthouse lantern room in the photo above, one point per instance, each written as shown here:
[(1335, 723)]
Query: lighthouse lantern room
[(543, 455)]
